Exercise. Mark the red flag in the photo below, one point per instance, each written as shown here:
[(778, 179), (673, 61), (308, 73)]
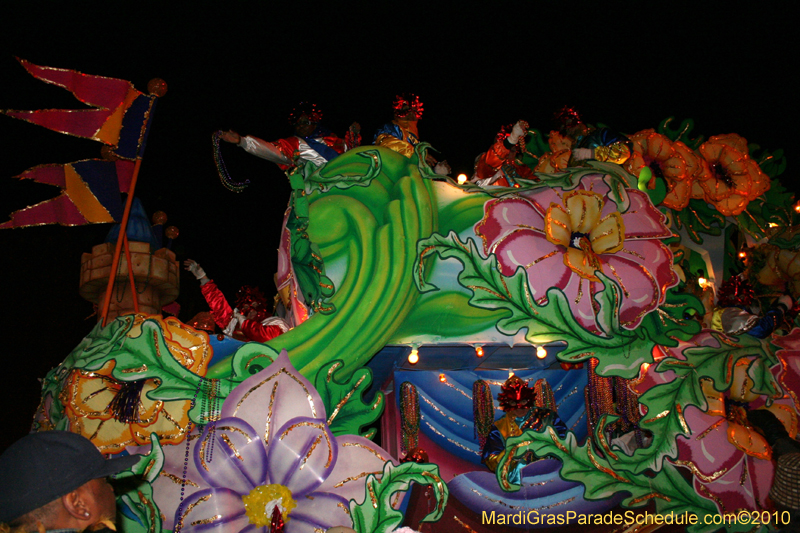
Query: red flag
[(91, 188)]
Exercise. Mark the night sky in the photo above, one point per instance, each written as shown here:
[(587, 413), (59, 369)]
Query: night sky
[(244, 65)]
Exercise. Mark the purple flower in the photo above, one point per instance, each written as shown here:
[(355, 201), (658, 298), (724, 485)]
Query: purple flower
[(271, 446)]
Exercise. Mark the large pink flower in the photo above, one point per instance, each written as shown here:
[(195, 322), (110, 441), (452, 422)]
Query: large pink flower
[(730, 461), (561, 238)]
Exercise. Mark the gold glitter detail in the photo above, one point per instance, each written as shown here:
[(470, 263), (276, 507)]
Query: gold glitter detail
[(462, 524), (603, 441), (475, 288), (602, 468), (209, 435), (346, 397), (580, 291), (451, 441), (461, 391), (696, 471), (711, 428), (142, 368), (235, 430), (190, 507), (372, 496), (633, 253), (206, 520), (269, 413), (662, 414), (555, 439), (176, 479), (227, 441), (450, 418), (619, 280), (546, 256), (354, 478), (649, 497), (711, 496), (681, 419), (438, 481), (573, 391), (343, 507), (149, 504), (332, 369), (370, 450), (422, 254), (273, 376), (320, 427)]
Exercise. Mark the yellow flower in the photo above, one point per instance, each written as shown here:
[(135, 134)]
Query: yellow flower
[(88, 396), (578, 226)]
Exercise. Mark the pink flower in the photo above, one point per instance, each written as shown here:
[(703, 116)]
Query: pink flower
[(562, 237)]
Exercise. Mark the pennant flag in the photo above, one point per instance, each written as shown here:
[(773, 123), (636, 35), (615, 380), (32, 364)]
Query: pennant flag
[(91, 194), (91, 188)]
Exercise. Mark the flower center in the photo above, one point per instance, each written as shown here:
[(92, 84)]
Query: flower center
[(581, 242), (262, 500), (719, 173)]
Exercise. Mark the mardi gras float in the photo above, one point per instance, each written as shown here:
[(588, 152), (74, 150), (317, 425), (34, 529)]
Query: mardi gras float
[(633, 288)]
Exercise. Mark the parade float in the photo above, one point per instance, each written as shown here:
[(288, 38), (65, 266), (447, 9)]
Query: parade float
[(412, 298)]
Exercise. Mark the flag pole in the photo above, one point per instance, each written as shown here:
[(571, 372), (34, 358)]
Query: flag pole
[(123, 228)]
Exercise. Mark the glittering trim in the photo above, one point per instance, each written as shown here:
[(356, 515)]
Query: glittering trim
[(703, 477), (320, 427), (463, 525), (227, 440), (649, 497), (190, 508), (372, 451), (602, 468), (346, 397), (269, 378), (175, 479), (355, 478), (711, 428), (206, 520), (450, 418), (451, 441)]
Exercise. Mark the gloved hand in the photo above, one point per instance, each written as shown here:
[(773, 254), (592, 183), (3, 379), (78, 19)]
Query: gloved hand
[(240, 318), (192, 266), (520, 129)]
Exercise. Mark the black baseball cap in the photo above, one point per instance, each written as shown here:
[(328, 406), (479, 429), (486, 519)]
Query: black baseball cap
[(41, 467)]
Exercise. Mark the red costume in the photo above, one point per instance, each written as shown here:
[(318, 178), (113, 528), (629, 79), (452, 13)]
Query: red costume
[(253, 330)]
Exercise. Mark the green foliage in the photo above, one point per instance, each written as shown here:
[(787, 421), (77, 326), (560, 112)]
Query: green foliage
[(773, 164), (602, 479), (348, 413), (134, 491), (343, 174), (667, 402), (376, 515), (699, 217), (623, 351), (681, 133), (667, 324)]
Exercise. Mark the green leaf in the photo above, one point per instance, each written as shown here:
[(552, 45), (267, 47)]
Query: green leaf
[(667, 324), (344, 401), (602, 478), (343, 174), (699, 217), (134, 491), (666, 403), (375, 514), (681, 133), (623, 351)]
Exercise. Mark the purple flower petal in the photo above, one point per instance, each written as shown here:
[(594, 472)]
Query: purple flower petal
[(254, 399), (231, 454), (219, 509), (301, 455), (358, 457), (318, 511)]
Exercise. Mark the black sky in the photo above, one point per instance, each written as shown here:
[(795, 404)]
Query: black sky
[(244, 65)]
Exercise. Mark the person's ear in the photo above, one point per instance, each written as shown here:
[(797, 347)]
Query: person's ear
[(77, 504)]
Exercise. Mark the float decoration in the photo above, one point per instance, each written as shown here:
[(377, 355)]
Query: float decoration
[(376, 514), (666, 403), (344, 400), (139, 509), (623, 350), (601, 477)]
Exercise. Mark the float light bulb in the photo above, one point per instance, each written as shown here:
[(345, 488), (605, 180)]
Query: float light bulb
[(702, 282), (479, 351), (442, 378), (462, 179), (797, 207), (541, 353), (413, 357), (742, 255)]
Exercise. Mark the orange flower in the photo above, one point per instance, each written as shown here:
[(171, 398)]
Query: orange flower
[(88, 395), (656, 151), (735, 178)]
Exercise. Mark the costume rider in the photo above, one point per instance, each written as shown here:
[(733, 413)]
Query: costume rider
[(518, 400)]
